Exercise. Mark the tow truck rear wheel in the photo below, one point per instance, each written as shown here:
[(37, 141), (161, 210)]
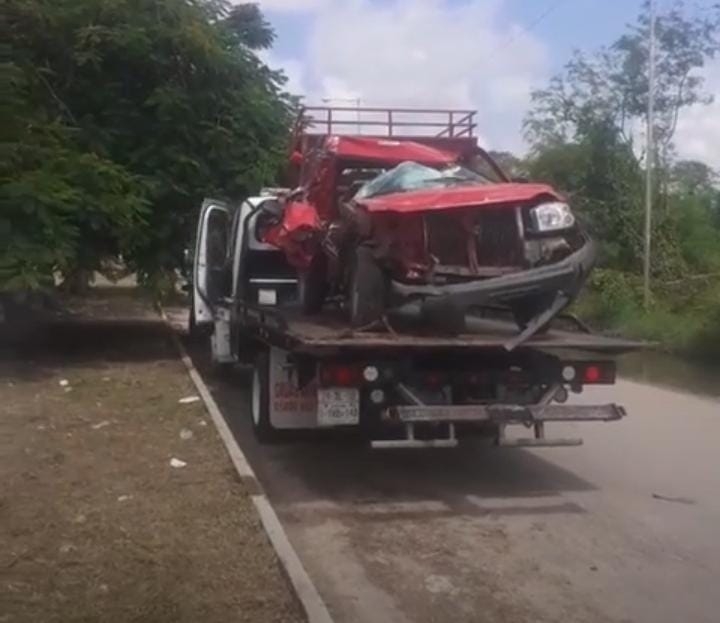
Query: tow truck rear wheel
[(260, 400), (367, 288)]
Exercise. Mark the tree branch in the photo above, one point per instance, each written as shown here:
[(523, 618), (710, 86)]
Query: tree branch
[(56, 97), (676, 112)]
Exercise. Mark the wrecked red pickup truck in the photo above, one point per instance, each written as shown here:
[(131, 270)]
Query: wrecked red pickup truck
[(402, 222), (419, 237)]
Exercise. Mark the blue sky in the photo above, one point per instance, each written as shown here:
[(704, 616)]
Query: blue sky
[(482, 54), (570, 24)]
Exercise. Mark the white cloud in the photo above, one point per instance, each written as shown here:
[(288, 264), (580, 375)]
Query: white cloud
[(433, 53), (425, 53), (698, 131), (288, 5), (293, 68)]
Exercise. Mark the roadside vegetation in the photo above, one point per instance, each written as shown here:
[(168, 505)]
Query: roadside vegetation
[(118, 117), (587, 135), (121, 115)]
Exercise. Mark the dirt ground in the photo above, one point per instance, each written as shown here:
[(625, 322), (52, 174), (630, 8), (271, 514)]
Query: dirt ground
[(95, 522)]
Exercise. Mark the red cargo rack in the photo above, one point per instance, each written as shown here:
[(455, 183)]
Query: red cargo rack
[(391, 122)]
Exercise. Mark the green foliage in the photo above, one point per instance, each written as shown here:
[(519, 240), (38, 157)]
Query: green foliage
[(684, 316), (601, 177), (691, 177), (612, 85), (59, 204), (579, 129), (611, 297), (511, 165), (124, 114)]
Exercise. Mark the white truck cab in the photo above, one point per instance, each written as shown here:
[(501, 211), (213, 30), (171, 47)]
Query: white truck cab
[(231, 262)]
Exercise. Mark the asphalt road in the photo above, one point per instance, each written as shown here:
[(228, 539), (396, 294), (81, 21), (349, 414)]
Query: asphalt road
[(624, 528)]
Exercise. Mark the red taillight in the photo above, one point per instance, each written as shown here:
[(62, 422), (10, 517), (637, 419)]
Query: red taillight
[(344, 375), (588, 373), (340, 375), (592, 374)]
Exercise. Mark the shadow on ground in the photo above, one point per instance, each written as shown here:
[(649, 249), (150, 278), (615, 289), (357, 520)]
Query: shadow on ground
[(109, 325), (86, 343), (345, 470)]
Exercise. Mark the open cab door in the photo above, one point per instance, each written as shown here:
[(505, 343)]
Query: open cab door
[(211, 276)]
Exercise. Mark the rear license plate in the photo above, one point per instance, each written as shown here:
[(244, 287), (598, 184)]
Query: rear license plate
[(338, 406)]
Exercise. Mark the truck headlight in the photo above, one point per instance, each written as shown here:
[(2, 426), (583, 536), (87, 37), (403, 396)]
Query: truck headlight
[(552, 216)]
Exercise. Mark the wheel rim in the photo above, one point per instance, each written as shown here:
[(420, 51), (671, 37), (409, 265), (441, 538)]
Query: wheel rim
[(256, 398)]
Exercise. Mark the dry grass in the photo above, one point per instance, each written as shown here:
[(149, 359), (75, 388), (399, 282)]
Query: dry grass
[(95, 523)]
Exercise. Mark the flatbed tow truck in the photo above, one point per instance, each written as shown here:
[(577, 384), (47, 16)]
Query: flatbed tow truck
[(398, 384)]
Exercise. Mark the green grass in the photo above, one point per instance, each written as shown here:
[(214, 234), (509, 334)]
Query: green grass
[(684, 322)]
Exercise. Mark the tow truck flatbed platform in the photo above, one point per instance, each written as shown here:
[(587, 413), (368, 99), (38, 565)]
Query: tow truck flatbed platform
[(288, 328)]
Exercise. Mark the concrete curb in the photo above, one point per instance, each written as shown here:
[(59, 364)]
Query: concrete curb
[(315, 609)]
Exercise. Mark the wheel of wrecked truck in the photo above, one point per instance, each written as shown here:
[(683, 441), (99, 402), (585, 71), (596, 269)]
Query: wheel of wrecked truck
[(260, 399), (367, 288), (312, 285)]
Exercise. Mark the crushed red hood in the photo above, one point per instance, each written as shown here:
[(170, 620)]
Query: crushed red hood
[(458, 197)]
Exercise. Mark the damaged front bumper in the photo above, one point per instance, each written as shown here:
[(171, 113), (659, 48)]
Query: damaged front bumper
[(556, 284)]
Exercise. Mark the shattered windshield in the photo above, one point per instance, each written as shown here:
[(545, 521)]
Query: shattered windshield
[(409, 176)]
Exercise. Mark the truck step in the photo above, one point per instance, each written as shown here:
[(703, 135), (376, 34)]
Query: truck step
[(386, 444), (411, 441), (532, 442), (522, 414)]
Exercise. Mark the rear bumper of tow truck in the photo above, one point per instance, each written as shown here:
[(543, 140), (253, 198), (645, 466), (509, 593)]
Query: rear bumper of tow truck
[(531, 416)]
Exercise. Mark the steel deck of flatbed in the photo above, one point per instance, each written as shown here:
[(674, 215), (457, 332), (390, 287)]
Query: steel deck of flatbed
[(328, 332)]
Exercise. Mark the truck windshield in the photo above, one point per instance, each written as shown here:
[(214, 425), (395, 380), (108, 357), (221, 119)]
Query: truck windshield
[(408, 176)]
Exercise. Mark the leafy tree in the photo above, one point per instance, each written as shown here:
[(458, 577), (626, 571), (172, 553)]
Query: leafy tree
[(166, 99), (59, 203), (581, 129), (509, 163), (693, 177), (613, 84), (603, 181)]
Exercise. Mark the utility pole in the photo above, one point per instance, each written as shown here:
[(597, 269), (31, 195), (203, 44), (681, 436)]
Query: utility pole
[(649, 157)]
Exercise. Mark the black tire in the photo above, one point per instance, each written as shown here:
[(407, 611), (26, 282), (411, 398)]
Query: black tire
[(223, 370), (313, 286), (367, 289), (260, 399)]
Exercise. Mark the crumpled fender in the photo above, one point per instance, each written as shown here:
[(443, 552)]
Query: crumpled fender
[(297, 233), (562, 280), (566, 275)]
